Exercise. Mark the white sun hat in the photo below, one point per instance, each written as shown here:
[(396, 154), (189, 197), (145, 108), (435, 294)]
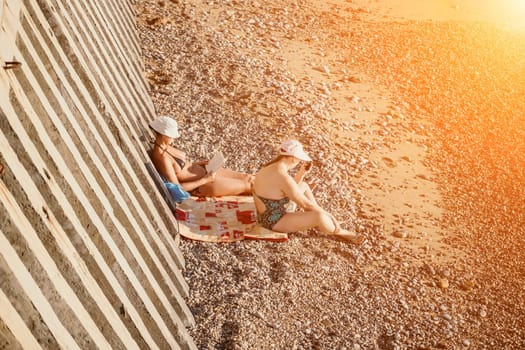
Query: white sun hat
[(295, 149), (166, 125)]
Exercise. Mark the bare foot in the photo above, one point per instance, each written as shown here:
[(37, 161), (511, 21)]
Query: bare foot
[(348, 236)]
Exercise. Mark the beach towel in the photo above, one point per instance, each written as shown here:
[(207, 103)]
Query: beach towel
[(222, 219)]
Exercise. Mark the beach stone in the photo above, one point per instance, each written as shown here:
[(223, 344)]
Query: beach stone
[(443, 283), (467, 285), (400, 234), (483, 313)]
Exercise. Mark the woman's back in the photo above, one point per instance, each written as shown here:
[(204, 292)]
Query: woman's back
[(269, 182)]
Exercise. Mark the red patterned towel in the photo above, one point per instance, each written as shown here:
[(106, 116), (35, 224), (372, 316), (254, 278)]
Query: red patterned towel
[(222, 219)]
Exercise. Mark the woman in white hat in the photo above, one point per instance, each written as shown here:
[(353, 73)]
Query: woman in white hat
[(173, 165), (275, 190)]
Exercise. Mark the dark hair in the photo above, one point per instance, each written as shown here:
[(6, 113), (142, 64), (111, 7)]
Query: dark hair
[(155, 132), (275, 160)]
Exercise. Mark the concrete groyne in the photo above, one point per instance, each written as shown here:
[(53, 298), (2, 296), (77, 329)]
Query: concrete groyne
[(89, 253)]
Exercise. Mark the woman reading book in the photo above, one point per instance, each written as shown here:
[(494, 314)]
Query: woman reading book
[(275, 191), (180, 173)]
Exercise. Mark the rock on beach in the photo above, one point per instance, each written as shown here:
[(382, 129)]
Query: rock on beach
[(241, 76)]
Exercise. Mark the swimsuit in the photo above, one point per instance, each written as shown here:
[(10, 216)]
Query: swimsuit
[(179, 161), (275, 210)]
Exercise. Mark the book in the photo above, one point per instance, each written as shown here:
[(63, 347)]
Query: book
[(215, 162)]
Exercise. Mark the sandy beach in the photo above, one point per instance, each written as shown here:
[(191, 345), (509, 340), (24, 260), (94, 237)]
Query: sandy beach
[(414, 115)]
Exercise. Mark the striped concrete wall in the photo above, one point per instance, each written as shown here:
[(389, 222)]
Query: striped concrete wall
[(89, 255)]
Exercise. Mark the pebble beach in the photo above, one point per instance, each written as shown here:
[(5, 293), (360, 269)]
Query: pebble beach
[(417, 130)]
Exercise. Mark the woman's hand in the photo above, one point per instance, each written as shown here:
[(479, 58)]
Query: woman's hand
[(210, 177), (303, 170), (306, 167), (202, 162)]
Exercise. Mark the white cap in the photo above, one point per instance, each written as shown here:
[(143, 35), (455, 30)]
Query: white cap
[(166, 126), (295, 149)]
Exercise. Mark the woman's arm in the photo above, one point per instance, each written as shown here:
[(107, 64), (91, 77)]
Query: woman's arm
[(303, 170), (165, 167), (292, 190)]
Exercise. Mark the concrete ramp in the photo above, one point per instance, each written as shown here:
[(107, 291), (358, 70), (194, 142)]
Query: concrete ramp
[(89, 255)]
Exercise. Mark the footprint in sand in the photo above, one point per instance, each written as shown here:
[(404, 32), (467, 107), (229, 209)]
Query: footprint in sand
[(389, 162)]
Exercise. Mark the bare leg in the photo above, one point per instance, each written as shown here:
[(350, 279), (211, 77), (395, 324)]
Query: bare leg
[(321, 219), (303, 220), (337, 231), (225, 186), (354, 238), (223, 172)]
